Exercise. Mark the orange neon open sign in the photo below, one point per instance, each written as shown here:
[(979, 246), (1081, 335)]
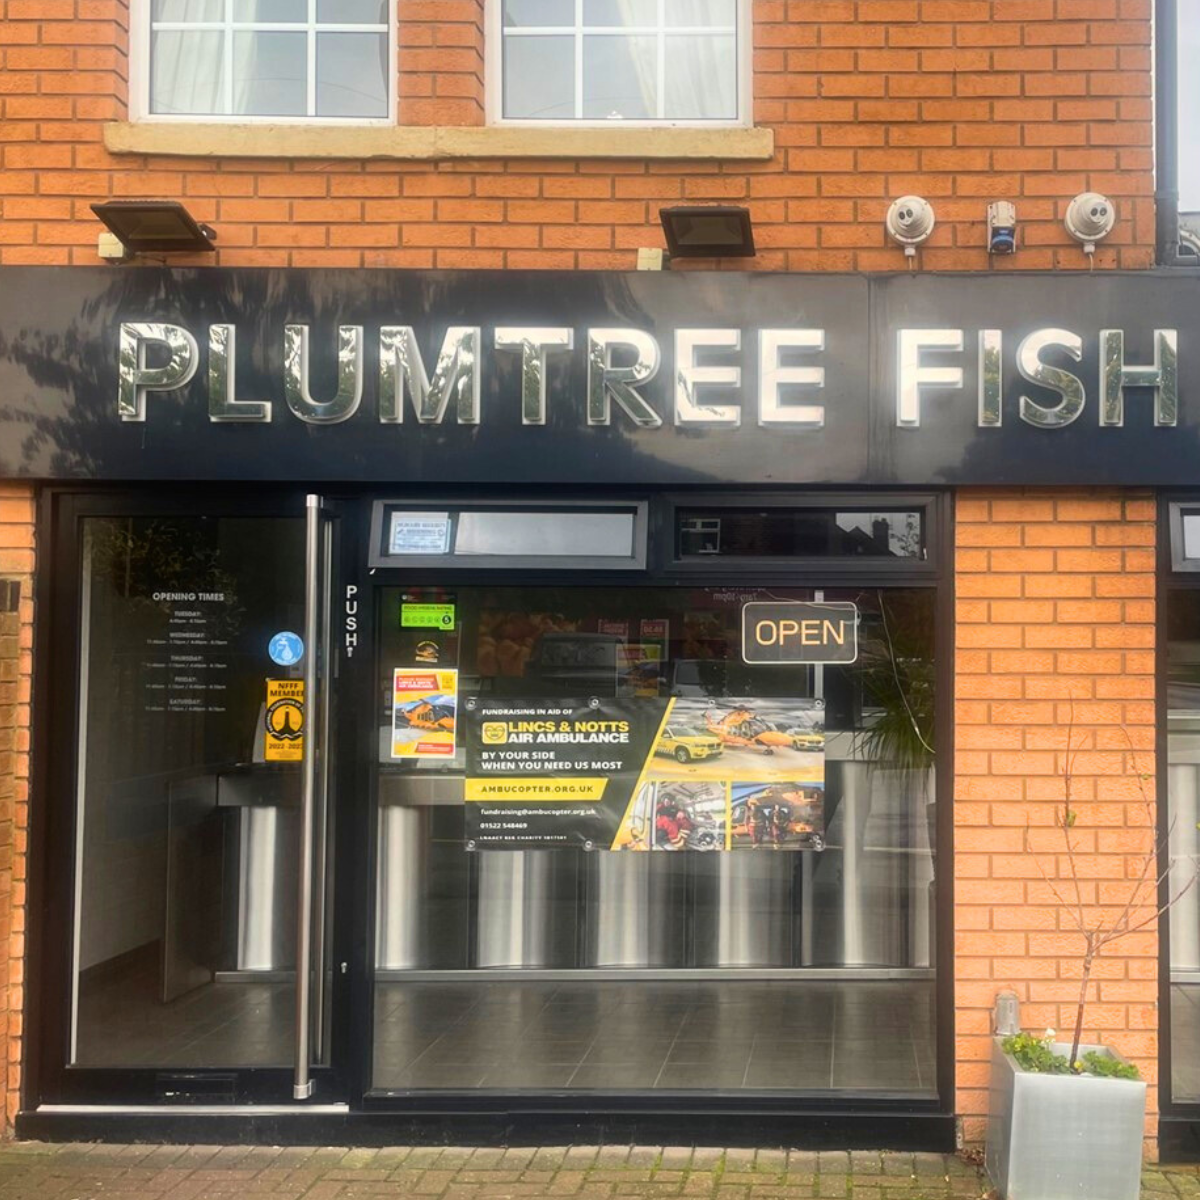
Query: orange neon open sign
[(778, 633)]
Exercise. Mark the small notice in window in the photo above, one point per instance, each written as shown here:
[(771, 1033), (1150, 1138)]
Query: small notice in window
[(419, 533), (424, 713), (426, 616), (284, 720)]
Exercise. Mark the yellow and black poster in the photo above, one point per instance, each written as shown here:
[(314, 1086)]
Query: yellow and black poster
[(638, 773), (284, 721), (547, 773)]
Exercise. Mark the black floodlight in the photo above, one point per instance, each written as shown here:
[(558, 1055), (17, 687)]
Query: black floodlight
[(708, 231), (155, 227)]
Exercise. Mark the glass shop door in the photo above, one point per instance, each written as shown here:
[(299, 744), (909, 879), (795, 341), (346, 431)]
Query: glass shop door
[(196, 807)]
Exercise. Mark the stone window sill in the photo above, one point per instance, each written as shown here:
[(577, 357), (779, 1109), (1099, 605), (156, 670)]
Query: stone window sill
[(212, 140)]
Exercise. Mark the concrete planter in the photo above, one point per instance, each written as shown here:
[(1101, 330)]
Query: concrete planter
[(1063, 1137)]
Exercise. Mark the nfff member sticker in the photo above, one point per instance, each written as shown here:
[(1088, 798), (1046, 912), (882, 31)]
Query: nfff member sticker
[(799, 632), (283, 718)]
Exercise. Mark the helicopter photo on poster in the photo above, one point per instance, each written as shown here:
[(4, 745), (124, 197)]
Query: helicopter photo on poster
[(767, 753), (424, 713), (743, 737)]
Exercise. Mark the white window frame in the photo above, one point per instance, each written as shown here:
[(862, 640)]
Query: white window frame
[(139, 76), (494, 69)]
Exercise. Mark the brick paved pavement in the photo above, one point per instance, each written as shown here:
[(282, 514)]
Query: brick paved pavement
[(103, 1172)]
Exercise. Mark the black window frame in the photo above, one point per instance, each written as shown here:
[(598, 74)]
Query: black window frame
[(832, 1119), (854, 569), (455, 506), (1179, 1120)]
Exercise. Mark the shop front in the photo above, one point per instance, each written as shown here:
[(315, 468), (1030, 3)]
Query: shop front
[(523, 702)]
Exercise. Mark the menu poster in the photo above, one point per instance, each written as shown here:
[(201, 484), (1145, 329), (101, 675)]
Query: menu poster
[(424, 713)]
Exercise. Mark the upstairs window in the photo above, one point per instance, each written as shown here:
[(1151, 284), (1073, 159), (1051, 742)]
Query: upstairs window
[(270, 59), (649, 61)]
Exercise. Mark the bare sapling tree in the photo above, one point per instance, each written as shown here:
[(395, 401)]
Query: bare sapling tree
[(1144, 903)]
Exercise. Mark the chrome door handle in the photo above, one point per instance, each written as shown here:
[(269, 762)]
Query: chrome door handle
[(303, 1085)]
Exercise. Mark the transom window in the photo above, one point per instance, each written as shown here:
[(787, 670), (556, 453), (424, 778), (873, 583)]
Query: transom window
[(619, 60), (270, 58)]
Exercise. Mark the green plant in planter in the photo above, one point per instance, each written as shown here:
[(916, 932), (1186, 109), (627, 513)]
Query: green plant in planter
[(1108, 1068), (1037, 1054)]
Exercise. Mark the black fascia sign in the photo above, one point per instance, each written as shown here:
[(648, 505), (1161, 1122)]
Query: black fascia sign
[(799, 632), (600, 379)]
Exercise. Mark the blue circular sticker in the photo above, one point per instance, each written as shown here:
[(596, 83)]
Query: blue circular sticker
[(286, 649)]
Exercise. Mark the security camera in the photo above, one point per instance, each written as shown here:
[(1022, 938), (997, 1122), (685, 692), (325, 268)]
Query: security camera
[(1090, 218), (1002, 227), (909, 222)]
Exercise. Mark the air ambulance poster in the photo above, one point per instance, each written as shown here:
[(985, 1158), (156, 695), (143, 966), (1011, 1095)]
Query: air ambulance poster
[(639, 774), (543, 774), (424, 713), (770, 751)]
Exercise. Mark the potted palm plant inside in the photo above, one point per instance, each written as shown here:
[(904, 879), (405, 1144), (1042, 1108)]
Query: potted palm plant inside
[(1066, 1119)]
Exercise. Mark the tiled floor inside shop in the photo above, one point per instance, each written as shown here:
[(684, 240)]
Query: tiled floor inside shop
[(714, 1035), (123, 1021), (875, 1036)]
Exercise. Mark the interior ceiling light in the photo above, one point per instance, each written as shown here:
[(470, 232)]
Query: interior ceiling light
[(155, 227), (708, 231)]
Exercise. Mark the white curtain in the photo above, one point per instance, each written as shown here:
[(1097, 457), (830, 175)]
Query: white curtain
[(701, 69), (700, 75), (186, 72)]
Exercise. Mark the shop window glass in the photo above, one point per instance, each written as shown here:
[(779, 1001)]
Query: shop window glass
[(502, 536), (759, 912), (799, 533), (620, 60), (600, 535), (269, 58), (187, 822), (1183, 798)]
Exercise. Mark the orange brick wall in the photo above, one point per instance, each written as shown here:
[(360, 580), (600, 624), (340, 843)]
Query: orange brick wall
[(1055, 635), (441, 62), (963, 101), (16, 650)]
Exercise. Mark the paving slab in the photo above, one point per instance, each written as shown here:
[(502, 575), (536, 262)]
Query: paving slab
[(36, 1171)]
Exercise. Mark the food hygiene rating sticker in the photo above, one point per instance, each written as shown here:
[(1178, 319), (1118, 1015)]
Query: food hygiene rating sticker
[(284, 721)]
